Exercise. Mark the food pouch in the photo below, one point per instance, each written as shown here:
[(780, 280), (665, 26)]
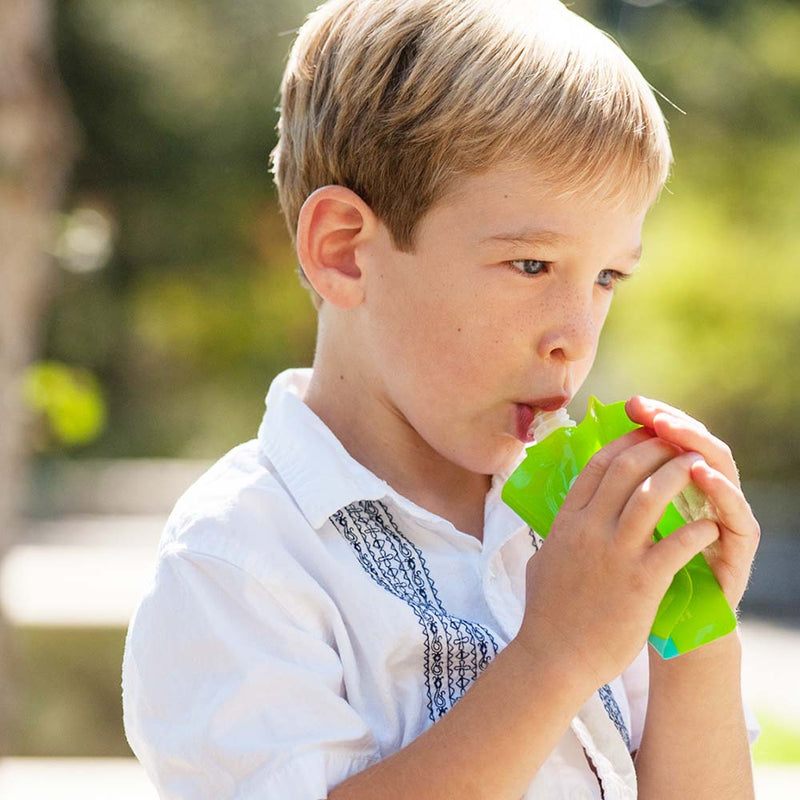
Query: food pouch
[(694, 610)]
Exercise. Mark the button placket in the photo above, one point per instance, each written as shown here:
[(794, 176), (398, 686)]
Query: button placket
[(499, 597)]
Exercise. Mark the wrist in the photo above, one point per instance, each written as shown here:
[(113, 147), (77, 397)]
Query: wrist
[(560, 678), (724, 653)]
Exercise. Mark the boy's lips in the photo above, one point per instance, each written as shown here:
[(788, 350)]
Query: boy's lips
[(527, 411)]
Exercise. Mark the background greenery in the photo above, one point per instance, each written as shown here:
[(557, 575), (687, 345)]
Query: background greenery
[(177, 302), (194, 305)]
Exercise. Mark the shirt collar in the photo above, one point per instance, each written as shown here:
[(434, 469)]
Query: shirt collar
[(320, 474)]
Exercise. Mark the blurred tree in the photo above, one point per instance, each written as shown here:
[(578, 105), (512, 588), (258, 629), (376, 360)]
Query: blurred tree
[(38, 141), (198, 306)]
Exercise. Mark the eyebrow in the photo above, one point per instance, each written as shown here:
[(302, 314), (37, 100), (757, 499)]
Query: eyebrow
[(545, 237)]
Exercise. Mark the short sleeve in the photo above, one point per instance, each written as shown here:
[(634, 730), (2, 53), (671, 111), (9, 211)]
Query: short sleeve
[(636, 681), (226, 695)]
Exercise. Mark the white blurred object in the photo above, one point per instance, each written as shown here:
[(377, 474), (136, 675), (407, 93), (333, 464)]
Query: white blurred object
[(95, 581), (74, 779), (85, 240)]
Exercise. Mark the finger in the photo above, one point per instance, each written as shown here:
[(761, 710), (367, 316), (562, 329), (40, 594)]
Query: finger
[(626, 471), (642, 410), (646, 505), (683, 430), (733, 510), (593, 473), (689, 434), (664, 558)]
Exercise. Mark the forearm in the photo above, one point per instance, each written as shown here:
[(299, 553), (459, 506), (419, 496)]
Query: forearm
[(490, 745), (695, 738)]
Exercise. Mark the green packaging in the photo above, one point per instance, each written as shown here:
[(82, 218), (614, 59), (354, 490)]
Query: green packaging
[(694, 610)]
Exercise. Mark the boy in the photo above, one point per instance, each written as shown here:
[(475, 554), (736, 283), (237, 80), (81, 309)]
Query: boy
[(344, 608)]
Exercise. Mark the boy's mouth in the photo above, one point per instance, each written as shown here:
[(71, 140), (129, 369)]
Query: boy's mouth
[(527, 410)]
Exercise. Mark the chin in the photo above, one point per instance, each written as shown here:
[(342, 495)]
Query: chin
[(503, 457), (509, 459)]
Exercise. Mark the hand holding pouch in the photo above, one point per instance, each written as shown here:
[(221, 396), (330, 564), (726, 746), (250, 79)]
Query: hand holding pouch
[(694, 610)]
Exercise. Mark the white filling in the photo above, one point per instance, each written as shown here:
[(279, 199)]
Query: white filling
[(545, 422)]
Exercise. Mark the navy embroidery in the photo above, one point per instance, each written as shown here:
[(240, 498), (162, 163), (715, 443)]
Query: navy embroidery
[(613, 711), (536, 539), (456, 650)]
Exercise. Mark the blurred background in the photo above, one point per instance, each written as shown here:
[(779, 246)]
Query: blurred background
[(149, 296)]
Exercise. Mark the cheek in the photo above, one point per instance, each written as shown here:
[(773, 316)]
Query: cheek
[(446, 350)]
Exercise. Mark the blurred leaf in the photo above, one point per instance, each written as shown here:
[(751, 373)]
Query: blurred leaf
[(779, 742), (69, 399)]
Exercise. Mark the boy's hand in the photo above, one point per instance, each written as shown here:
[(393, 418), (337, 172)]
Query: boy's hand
[(731, 556), (594, 588)]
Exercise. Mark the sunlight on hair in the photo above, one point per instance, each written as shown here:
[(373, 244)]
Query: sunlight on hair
[(397, 100)]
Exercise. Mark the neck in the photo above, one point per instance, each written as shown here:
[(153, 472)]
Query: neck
[(377, 436)]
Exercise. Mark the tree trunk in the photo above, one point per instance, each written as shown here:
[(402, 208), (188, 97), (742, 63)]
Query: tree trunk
[(38, 142)]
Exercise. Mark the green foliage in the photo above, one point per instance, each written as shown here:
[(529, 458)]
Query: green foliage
[(779, 742), (199, 306), (68, 692), (69, 400)]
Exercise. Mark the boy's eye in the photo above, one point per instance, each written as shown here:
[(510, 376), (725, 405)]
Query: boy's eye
[(529, 266), (608, 277)]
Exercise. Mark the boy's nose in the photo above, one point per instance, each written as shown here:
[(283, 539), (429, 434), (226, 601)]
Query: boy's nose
[(572, 334)]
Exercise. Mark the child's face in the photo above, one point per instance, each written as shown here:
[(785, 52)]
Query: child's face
[(496, 313)]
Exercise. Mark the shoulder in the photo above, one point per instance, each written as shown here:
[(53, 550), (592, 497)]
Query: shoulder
[(239, 511), (237, 547)]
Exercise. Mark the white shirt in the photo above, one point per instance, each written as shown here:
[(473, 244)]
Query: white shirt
[(305, 621)]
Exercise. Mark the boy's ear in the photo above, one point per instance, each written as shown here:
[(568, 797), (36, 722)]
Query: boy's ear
[(332, 223)]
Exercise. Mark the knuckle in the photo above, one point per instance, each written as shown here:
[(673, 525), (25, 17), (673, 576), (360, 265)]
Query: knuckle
[(688, 538), (625, 463), (693, 422), (684, 536), (597, 464), (641, 501)]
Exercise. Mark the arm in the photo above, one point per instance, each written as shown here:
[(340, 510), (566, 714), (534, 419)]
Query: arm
[(695, 741), (491, 744), (592, 593)]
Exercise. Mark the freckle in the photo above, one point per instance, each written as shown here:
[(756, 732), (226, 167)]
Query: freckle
[(341, 377), (458, 329)]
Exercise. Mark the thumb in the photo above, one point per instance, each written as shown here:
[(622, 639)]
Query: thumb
[(675, 551)]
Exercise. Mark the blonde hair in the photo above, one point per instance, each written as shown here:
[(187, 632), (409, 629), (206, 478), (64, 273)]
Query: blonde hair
[(395, 99)]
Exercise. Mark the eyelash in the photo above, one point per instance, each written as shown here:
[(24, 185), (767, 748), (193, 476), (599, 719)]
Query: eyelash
[(616, 275)]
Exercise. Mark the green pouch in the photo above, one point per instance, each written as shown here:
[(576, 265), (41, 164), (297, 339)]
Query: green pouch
[(694, 610)]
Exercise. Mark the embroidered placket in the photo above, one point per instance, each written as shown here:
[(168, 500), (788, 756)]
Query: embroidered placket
[(456, 650)]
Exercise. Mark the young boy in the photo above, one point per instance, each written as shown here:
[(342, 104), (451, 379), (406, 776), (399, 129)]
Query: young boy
[(344, 607)]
